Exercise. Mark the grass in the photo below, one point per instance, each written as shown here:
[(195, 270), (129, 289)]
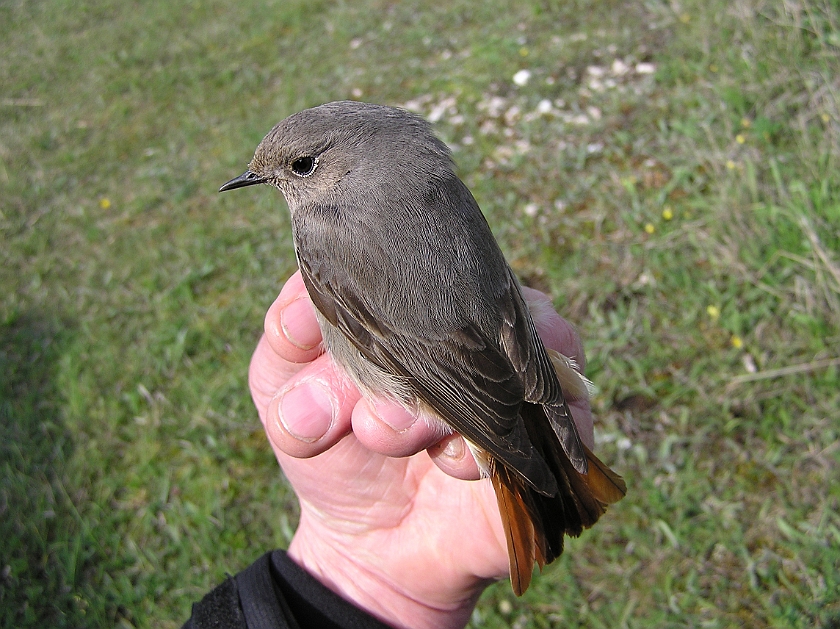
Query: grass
[(683, 213)]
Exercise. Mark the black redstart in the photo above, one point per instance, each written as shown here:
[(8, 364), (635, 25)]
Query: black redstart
[(416, 302)]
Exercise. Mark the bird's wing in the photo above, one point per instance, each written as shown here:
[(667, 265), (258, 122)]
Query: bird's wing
[(475, 383), (523, 346)]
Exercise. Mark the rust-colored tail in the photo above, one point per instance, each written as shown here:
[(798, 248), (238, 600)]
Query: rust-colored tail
[(534, 523)]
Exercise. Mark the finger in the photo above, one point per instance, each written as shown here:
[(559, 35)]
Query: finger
[(387, 428), (290, 324), (453, 457), (582, 415), (554, 330), (313, 410), (267, 373)]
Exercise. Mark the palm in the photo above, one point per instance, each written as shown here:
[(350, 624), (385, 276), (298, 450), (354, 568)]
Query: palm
[(378, 504)]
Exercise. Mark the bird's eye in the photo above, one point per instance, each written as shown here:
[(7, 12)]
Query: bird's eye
[(304, 166)]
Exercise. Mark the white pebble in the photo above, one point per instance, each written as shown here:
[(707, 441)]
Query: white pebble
[(619, 68), (522, 77)]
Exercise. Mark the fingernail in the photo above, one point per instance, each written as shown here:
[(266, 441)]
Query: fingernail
[(295, 320), (393, 415), (454, 449), (306, 412)]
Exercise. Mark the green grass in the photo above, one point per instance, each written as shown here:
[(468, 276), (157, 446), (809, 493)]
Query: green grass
[(686, 220)]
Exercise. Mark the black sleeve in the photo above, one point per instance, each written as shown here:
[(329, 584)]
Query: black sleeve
[(275, 593)]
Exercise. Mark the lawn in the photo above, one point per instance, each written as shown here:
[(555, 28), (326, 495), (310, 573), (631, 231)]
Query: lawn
[(668, 172)]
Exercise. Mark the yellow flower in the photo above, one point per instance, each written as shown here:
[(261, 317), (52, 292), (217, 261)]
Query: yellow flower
[(667, 213), (730, 164), (740, 139), (713, 311), (649, 228), (825, 117), (737, 342), (523, 52), (104, 203)]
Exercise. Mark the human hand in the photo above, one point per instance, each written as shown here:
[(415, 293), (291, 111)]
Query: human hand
[(387, 520)]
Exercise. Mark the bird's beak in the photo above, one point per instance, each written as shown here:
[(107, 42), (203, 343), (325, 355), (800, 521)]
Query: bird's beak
[(247, 178)]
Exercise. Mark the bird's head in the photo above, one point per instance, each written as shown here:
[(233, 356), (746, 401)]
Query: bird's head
[(345, 149)]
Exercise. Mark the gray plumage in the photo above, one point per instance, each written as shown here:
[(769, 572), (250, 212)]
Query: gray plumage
[(416, 301)]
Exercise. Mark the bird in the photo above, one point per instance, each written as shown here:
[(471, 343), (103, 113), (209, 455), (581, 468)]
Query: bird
[(416, 302)]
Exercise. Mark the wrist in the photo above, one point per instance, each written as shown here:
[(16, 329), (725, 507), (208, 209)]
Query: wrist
[(391, 589)]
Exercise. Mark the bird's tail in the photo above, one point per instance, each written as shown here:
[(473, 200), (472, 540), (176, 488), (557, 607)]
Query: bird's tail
[(535, 524)]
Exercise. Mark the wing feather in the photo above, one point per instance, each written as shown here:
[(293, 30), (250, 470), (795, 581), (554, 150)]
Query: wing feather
[(466, 378)]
